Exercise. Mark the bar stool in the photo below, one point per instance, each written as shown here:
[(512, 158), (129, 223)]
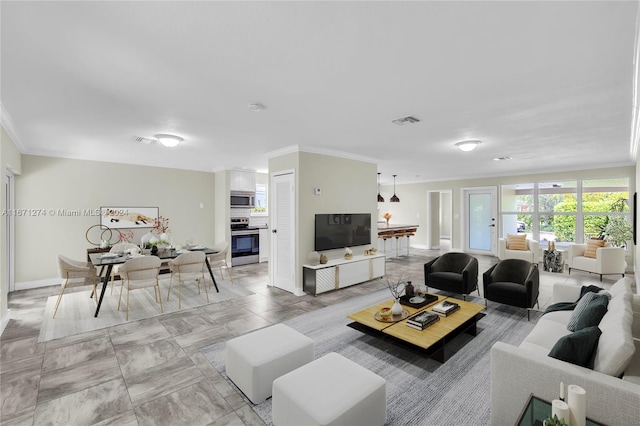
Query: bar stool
[(410, 233), (385, 235), (398, 235)]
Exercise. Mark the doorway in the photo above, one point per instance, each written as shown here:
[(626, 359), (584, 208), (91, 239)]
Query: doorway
[(283, 220), (439, 219), (480, 209)]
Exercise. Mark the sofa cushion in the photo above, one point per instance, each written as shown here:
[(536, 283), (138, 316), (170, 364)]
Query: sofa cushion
[(577, 311), (616, 347), (621, 286), (516, 241), (592, 246), (584, 263), (549, 329), (578, 347), (593, 313)]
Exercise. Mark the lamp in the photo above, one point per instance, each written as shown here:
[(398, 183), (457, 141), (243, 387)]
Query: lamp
[(395, 198), (380, 199), (469, 145), (169, 141)]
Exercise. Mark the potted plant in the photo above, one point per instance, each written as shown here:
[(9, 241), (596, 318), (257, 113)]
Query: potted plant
[(555, 421), (618, 231)]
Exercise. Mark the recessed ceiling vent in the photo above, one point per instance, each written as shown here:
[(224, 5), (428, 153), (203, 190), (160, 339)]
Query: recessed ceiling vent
[(404, 120), (145, 141)]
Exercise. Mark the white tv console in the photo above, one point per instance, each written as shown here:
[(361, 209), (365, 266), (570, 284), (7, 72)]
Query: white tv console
[(341, 273)]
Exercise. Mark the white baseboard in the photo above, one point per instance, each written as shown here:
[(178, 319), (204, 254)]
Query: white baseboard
[(37, 283), (5, 321)]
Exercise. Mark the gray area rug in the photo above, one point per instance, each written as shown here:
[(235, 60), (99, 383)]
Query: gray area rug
[(420, 391), (76, 312)]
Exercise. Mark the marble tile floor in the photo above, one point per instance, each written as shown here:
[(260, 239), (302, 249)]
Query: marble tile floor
[(151, 371)]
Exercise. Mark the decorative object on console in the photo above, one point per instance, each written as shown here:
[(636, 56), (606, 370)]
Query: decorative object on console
[(560, 412), (554, 420), (323, 259), (348, 253), (161, 225), (313, 258), (92, 234)]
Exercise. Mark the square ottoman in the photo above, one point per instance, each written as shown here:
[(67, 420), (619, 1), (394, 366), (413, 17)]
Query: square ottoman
[(253, 361), (331, 390)]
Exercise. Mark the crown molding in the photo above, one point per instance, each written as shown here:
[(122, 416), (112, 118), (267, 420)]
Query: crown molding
[(7, 123), (322, 151)]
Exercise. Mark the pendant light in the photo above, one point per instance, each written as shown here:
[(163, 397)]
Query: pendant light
[(395, 198), (380, 198)]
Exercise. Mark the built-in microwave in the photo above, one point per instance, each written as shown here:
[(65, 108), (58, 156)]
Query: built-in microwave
[(244, 199)]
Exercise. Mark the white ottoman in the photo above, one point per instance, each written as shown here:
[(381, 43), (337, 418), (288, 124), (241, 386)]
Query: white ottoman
[(255, 360), (331, 390)]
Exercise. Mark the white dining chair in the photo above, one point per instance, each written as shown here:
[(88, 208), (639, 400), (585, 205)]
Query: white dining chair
[(121, 248), (140, 272), (219, 259), (188, 266), (75, 273)]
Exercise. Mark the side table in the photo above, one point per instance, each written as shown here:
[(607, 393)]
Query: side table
[(537, 410), (553, 260)]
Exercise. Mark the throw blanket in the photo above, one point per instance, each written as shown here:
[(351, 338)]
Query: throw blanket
[(568, 306)]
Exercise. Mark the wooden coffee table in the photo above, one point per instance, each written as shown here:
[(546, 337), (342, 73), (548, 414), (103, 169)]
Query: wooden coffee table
[(430, 341)]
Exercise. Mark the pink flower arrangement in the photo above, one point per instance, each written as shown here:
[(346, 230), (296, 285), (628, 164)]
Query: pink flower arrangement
[(125, 236), (161, 225)]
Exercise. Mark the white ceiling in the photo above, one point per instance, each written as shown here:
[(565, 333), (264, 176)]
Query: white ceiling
[(550, 84)]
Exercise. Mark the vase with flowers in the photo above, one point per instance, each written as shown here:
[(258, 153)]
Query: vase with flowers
[(125, 236), (161, 226), (387, 216)]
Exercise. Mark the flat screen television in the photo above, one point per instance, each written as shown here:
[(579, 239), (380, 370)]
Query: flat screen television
[(339, 230)]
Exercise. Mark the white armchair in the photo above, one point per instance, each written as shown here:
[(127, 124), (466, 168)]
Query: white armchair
[(608, 260), (531, 254)]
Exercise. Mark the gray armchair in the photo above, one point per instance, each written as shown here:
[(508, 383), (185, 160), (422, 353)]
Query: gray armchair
[(513, 282), (453, 272)]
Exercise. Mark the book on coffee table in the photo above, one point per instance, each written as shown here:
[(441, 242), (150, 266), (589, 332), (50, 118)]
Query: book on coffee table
[(445, 308), (422, 320)]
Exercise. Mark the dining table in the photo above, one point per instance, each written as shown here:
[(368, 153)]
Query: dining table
[(109, 260)]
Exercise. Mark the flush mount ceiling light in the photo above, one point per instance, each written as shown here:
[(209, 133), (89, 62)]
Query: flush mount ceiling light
[(404, 120), (169, 141), (256, 107), (380, 198), (469, 145), (395, 198)]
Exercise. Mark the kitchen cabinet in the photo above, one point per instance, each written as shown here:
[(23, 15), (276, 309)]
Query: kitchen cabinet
[(341, 273), (242, 181), (265, 242)]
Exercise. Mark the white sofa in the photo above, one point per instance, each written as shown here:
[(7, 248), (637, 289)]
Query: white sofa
[(518, 371), (608, 260), (531, 254)]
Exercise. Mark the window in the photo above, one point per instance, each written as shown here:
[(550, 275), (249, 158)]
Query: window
[(603, 199), (517, 209), (261, 200), (557, 204)]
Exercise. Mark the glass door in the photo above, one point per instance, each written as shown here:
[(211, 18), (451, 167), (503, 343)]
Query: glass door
[(480, 230)]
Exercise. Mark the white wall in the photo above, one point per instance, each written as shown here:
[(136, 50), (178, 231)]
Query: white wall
[(10, 159), (187, 198)]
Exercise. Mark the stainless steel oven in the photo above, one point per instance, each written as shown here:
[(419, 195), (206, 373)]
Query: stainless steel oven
[(245, 242)]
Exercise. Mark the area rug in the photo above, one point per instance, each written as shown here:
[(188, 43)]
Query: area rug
[(420, 391), (76, 312)]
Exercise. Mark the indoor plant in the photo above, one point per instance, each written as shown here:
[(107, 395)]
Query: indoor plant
[(618, 231)]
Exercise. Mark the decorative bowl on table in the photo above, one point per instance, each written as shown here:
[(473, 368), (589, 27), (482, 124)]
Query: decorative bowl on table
[(385, 313)]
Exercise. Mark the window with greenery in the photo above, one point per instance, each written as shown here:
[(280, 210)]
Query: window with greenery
[(565, 211), (261, 199)]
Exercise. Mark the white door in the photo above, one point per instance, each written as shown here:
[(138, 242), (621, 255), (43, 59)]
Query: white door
[(282, 210), (480, 226)]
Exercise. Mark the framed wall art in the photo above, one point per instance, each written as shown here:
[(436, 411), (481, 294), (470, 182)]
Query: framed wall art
[(128, 217)]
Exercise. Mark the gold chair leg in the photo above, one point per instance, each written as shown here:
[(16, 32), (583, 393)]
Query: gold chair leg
[(159, 298), (59, 298), (206, 292), (228, 271), (170, 282), (179, 293), (113, 278), (128, 291), (120, 298)]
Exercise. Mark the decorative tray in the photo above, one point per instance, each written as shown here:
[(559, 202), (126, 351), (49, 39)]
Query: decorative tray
[(393, 318), (428, 298)]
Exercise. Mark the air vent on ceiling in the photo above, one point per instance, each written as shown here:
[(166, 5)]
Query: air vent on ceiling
[(145, 141), (404, 120)]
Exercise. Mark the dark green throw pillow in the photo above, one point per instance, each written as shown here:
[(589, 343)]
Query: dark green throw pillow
[(593, 313), (578, 347)]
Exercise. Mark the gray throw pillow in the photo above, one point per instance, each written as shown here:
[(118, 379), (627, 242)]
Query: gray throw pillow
[(577, 348), (580, 306)]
